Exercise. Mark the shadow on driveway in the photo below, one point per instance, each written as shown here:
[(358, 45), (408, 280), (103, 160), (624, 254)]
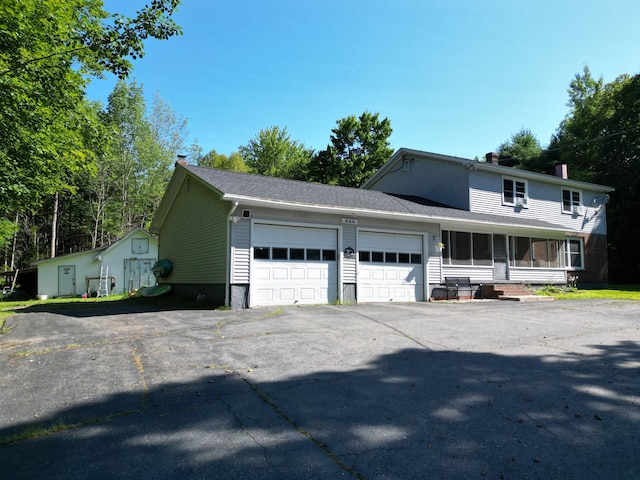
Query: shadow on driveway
[(408, 414)]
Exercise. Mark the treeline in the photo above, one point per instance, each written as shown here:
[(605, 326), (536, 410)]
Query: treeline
[(599, 140)]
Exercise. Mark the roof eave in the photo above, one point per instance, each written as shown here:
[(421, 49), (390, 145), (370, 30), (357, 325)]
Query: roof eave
[(382, 214)]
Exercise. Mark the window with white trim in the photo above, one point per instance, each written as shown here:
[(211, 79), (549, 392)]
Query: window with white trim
[(466, 248), (571, 201), (574, 248), (535, 252), (514, 192)]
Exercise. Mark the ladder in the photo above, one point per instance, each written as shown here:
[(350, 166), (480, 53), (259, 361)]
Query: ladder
[(103, 285)]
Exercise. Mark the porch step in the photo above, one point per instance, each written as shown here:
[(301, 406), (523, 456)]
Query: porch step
[(501, 290), (527, 298)]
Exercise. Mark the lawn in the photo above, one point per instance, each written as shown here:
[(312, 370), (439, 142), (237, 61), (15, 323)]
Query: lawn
[(614, 292)]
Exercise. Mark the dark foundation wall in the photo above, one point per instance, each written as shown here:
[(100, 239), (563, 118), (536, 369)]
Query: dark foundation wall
[(213, 294)]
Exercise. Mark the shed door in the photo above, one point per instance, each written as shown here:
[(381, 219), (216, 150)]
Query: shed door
[(137, 273), (67, 281), (390, 267), (293, 265)]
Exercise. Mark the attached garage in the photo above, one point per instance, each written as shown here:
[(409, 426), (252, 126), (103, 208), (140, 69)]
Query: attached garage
[(390, 267), (293, 265)]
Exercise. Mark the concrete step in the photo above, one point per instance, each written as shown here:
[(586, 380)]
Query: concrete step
[(526, 298)]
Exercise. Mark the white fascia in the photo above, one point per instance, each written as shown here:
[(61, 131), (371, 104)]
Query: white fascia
[(255, 202)]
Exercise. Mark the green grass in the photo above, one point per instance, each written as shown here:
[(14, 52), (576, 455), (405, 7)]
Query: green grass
[(614, 292)]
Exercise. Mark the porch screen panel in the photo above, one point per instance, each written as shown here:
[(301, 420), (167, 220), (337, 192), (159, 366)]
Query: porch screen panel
[(555, 254), (460, 248), (539, 248), (521, 252), (482, 249)]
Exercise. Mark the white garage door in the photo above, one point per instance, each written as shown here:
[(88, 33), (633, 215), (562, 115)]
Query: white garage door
[(294, 265), (390, 267)]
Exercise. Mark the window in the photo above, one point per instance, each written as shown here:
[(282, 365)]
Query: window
[(140, 245), (536, 252), (575, 253), (571, 201), (313, 254), (546, 253), (390, 257), (279, 253), (377, 257), (464, 248), (296, 254), (514, 192), (329, 255)]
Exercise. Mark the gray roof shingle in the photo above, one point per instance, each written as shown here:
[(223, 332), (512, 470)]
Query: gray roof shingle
[(272, 189)]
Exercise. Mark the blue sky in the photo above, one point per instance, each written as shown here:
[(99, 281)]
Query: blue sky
[(456, 77)]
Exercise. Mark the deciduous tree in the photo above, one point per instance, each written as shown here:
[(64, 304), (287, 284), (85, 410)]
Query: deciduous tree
[(272, 152), (358, 147), (600, 141), (48, 50)]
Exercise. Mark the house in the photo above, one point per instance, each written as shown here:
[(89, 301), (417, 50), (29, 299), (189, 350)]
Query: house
[(248, 240), (125, 265)]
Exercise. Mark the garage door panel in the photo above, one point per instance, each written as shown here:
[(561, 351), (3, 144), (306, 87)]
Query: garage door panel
[(389, 276), (265, 295), (286, 294), (307, 293), (297, 274), (304, 269), (280, 274)]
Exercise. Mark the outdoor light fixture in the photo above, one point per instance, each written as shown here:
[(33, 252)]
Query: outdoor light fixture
[(348, 252)]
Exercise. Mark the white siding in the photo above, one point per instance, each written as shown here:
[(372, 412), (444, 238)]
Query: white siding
[(476, 274), (88, 267), (545, 203), (349, 264), (114, 259), (241, 251), (539, 276)]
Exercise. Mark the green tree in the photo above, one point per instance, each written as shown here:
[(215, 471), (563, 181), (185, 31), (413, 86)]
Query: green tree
[(48, 51), (359, 146), (599, 140), (136, 167), (523, 150), (233, 162), (272, 152)]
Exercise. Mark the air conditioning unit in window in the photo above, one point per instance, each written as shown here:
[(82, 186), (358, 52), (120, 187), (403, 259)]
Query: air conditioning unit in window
[(577, 210), (521, 202)]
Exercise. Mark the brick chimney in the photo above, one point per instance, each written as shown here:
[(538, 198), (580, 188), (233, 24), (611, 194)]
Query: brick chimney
[(182, 160), (492, 158), (562, 171)]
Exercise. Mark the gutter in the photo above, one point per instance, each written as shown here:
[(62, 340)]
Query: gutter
[(414, 217)]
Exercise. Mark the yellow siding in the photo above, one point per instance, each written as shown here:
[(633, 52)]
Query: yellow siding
[(194, 236)]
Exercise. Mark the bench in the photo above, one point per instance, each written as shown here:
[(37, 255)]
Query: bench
[(458, 287)]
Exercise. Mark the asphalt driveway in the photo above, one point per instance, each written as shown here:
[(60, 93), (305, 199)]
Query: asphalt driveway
[(428, 390)]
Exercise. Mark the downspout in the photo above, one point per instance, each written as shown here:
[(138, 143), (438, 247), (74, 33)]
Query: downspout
[(228, 274)]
